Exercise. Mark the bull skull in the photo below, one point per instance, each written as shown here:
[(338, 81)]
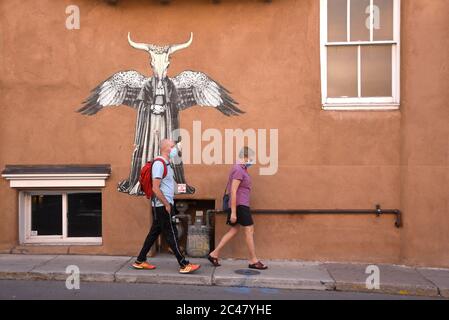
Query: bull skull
[(160, 56)]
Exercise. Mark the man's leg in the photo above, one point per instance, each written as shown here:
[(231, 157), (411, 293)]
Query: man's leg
[(168, 229), (155, 231)]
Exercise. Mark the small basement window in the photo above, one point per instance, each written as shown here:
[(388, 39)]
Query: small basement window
[(62, 217), (59, 204)]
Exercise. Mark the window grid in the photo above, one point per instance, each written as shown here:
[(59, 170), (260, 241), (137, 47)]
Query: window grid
[(360, 101)]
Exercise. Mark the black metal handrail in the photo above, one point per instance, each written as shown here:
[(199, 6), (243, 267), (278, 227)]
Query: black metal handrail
[(378, 211)]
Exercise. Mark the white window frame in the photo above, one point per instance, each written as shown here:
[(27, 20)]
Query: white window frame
[(25, 236), (361, 103)]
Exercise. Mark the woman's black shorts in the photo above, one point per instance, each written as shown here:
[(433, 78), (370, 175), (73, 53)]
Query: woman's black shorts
[(243, 216)]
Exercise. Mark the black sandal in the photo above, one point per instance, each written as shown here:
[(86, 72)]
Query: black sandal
[(213, 260), (258, 265)]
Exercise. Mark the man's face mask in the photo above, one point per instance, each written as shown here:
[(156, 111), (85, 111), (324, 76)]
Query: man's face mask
[(173, 152)]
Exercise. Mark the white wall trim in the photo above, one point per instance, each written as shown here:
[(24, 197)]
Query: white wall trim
[(360, 107), (55, 180), (59, 241)]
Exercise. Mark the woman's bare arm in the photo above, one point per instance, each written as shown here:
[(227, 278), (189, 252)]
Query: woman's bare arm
[(234, 186)]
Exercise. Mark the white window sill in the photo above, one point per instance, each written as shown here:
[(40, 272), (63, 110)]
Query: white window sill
[(67, 242), (361, 107)]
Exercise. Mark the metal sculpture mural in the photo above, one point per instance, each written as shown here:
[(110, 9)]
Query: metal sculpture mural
[(158, 100)]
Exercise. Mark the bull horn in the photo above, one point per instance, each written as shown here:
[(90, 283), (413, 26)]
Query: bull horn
[(142, 46), (176, 47)]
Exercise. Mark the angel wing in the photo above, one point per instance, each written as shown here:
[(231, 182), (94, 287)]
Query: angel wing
[(196, 88), (121, 88)]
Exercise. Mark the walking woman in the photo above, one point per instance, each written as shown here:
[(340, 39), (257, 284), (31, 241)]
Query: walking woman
[(239, 215)]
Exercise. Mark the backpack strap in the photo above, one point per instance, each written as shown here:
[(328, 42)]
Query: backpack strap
[(163, 162), (161, 159)]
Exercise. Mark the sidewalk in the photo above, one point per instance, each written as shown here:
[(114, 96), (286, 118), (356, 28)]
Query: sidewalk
[(281, 274)]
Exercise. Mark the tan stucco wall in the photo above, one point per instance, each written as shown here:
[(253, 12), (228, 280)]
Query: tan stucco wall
[(267, 55), (425, 133)]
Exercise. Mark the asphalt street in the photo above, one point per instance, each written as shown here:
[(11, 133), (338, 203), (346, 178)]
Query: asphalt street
[(42, 290)]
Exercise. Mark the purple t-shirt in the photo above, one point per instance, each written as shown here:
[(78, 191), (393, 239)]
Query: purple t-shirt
[(239, 172)]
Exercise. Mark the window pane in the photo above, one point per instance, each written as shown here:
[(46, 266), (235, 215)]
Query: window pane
[(376, 71), (360, 29), (84, 215), (383, 20), (342, 71), (337, 20), (46, 215)]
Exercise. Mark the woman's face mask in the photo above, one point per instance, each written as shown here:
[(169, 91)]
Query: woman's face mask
[(249, 163)]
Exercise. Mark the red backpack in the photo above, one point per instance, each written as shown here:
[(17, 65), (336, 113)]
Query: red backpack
[(145, 178)]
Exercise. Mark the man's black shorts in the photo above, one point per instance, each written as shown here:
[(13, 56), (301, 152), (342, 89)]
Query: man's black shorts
[(244, 217)]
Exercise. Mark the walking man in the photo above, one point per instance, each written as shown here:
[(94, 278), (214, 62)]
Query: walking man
[(163, 207)]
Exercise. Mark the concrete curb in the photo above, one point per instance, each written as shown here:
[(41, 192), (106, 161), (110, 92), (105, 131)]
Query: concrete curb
[(279, 275), (164, 279), (395, 280), (275, 283), (438, 277), (165, 273), (390, 289)]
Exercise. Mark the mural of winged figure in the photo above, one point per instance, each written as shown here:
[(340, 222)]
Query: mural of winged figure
[(158, 100)]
